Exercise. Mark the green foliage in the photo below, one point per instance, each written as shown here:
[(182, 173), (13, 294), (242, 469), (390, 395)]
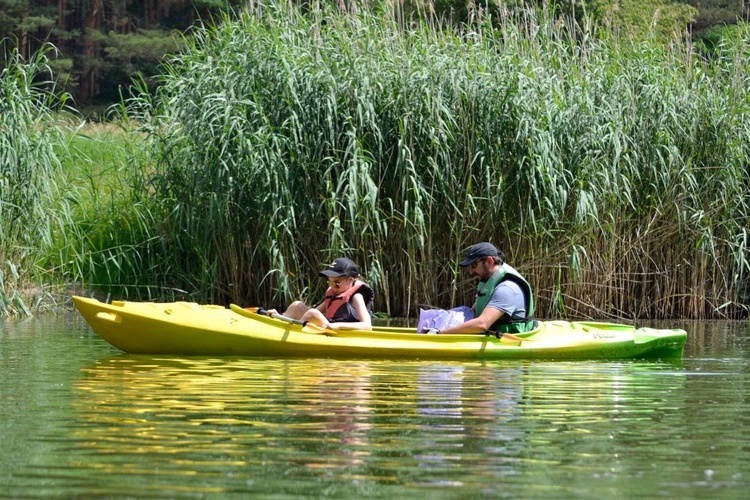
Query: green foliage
[(102, 44), (111, 229), (664, 19), (714, 14), (23, 15), (28, 170), (613, 172), (283, 140), (139, 53), (27, 159), (67, 211)]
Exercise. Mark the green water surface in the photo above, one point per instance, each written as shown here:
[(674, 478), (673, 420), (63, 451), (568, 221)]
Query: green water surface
[(80, 419)]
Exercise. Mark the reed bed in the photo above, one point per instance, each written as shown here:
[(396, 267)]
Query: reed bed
[(109, 239), (613, 173), (29, 168), (68, 219)]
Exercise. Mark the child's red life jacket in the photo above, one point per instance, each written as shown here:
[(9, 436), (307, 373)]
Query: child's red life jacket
[(334, 310)]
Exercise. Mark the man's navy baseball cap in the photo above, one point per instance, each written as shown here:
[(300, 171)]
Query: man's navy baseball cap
[(477, 252)]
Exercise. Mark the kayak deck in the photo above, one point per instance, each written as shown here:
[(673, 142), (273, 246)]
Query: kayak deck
[(187, 328)]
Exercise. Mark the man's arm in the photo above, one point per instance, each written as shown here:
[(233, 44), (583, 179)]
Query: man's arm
[(480, 324)]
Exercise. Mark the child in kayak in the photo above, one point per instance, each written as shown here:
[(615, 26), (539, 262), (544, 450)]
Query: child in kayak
[(347, 303)]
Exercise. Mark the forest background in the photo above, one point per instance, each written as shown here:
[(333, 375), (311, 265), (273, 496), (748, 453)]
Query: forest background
[(219, 152)]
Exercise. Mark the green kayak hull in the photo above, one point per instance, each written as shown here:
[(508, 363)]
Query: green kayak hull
[(190, 329)]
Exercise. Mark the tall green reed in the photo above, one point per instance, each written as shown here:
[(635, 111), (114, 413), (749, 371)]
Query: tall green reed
[(28, 169), (613, 173), (68, 218), (27, 158)]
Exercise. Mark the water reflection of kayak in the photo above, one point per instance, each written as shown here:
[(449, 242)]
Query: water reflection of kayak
[(186, 328)]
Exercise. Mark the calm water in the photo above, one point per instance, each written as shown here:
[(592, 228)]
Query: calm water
[(79, 419)]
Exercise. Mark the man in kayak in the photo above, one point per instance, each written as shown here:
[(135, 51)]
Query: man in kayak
[(504, 301), (347, 303)]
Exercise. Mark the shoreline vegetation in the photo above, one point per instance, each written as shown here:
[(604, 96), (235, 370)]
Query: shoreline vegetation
[(614, 173)]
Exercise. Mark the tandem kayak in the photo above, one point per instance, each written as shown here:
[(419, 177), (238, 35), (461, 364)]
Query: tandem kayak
[(187, 328)]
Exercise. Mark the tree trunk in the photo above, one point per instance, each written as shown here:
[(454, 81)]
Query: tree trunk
[(94, 15)]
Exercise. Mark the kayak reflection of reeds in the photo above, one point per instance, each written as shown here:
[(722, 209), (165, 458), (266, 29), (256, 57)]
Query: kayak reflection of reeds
[(266, 425), (162, 403), (328, 414)]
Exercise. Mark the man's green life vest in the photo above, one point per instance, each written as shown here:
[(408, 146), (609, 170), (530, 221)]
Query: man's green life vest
[(506, 324)]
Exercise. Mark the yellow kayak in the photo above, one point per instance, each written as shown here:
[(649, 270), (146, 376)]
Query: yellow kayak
[(187, 328)]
